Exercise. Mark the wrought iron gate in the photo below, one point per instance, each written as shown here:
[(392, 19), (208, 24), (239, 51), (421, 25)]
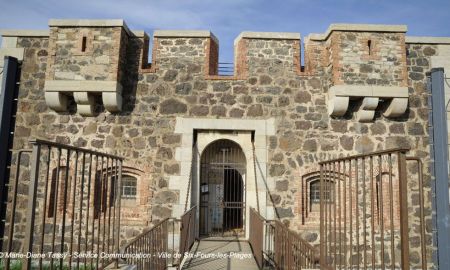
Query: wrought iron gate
[(222, 190)]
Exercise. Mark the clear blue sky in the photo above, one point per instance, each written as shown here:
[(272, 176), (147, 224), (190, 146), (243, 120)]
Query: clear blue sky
[(227, 18)]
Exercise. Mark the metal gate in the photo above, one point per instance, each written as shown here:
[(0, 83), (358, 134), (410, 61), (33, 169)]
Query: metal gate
[(222, 190)]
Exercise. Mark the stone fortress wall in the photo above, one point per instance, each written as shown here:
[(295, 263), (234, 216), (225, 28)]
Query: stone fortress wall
[(88, 83)]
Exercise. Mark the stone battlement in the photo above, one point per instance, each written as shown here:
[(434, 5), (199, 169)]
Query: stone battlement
[(88, 58)]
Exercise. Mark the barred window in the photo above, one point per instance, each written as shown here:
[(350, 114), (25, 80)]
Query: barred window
[(57, 188), (129, 187), (314, 192)]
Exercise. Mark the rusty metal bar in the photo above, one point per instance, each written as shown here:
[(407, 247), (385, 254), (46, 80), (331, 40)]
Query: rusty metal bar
[(72, 148), (118, 200), (28, 244), (72, 223), (57, 186), (421, 210), (63, 223), (47, 173), (13, 206), (322, 217), (357, 185), (83, 168), (291, 250), (256, 237), (187, 231), (150, 242), (376, 153), (404, 240)]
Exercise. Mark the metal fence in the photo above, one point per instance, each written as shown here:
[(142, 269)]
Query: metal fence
[(149, 250), (64, 207), (256, 236), (291, 250), (366, 220), (275, 246), (156, 248), (187, 231)]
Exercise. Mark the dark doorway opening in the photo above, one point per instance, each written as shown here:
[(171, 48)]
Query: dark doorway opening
[(222, 189), (233, 199)]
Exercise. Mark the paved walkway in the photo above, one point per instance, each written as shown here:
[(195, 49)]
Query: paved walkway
[(215, 248)]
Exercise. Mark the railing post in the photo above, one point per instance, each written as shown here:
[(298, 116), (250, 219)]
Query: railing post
[(322, 216), (118, 203), (32, 190), (404, 228)]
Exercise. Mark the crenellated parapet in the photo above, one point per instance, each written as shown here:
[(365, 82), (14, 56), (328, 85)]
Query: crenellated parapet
[(86, 60), (366, 64), (361, 64)]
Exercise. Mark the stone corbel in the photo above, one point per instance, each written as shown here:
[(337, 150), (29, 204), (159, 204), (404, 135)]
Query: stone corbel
[(85, 103), (338, 106), (56, 101), (366, 112), (339, 97), (84, 92), (112, 101), (396, 107)]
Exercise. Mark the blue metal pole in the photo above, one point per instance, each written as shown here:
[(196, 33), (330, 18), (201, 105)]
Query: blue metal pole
[(440, 152)]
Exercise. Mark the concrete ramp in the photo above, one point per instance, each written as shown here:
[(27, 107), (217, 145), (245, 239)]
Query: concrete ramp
[(220, 255)]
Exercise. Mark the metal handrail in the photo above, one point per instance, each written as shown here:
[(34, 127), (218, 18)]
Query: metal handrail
[(376, 153), (290, 250), (144, 233), (73, 148), (187, 231)]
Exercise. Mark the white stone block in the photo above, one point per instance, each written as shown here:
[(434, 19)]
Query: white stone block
[(337, 106), (56, 101), (365, 115), (397, 107), (183, 154), (112, 101), (9, 42)]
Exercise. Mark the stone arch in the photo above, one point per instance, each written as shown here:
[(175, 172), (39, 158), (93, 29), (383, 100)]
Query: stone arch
[(222, 188)]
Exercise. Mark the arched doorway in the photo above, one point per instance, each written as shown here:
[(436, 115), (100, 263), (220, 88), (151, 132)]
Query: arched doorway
[(222, 189)]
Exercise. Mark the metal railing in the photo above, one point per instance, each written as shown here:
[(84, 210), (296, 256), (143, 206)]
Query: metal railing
[(156, 247), (366, 224), (226, 69), (275, 246), (256, 236), (292, 251), (187, 231), (149, 250), (63, 202)]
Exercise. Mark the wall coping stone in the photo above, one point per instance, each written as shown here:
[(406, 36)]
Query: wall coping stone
[(267, 35), (428, 40), (24, 33), (358, 28), (89, 23), (46, 33), (184, 34)]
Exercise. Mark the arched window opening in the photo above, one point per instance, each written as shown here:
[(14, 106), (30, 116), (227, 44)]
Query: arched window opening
[(57, 187), (386, 184), (314, 193), (129, 187)]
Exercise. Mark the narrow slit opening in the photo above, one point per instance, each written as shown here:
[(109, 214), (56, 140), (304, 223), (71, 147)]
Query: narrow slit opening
[(83, 44), (369, 46)]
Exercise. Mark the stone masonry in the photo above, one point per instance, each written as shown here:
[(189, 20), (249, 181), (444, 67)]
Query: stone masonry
[(88, 83)]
